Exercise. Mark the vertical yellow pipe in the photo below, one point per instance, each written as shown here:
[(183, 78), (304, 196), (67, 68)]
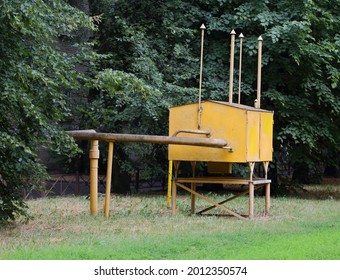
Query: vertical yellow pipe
[(240, 69), (168, 199), (259, 64), (108, 181), (94, 156), (231, 70), (200, 81)]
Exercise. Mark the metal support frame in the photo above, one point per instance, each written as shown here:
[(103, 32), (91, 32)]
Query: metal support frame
[(228, 199), (253, 185)]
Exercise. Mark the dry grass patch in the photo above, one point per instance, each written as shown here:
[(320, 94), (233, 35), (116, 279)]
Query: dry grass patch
[(141, 227)]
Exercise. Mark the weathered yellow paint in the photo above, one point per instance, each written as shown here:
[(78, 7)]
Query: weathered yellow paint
[(266, 137), (253, 136), (247, 130), (94, 156)]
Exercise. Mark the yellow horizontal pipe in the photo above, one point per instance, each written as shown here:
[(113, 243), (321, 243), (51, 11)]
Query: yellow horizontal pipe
[(156, 139)]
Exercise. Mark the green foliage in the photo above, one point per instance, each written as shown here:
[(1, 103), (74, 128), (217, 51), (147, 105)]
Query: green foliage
[(127, 104), (131, 101), (159, 42), (34, 76), (303, 88)]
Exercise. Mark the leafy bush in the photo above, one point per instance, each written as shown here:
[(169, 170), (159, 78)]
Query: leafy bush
[(34, 76)]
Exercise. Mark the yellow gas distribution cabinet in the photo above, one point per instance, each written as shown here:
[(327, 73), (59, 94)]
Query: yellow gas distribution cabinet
[(248, 131)]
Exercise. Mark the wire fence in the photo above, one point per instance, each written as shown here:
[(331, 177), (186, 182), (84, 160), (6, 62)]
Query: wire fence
[(64, 184), (79, 184)]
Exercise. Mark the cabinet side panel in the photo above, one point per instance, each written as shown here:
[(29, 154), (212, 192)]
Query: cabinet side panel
[(266, 137), (253, 136)]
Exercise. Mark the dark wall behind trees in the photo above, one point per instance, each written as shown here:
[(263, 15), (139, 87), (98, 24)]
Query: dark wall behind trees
[(159, 43)]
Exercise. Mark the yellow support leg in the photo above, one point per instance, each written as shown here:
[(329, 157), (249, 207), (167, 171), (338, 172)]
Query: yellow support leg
[(251, 200), (108, 181), (168, 199), (267, 206), (251, 190), (267, 189), (94, 156)]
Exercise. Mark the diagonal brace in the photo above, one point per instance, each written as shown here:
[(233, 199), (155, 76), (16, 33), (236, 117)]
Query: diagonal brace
[(211, 201), (228, 199)]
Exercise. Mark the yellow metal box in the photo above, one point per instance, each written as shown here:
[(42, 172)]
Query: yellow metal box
[(248, 131)]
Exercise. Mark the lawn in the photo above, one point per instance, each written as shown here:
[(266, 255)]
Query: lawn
[(141, 227)]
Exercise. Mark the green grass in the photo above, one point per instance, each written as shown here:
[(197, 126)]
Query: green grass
[(141, 227)]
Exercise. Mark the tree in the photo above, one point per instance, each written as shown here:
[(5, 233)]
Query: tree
[(158, 41), (126, 104), (34, 77), (303, 86), (134, 97)]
